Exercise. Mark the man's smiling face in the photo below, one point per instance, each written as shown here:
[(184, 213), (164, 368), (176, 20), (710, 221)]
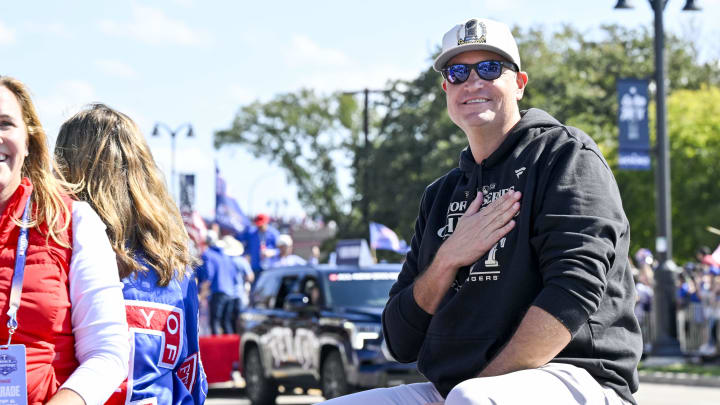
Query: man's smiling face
[(478, 104)]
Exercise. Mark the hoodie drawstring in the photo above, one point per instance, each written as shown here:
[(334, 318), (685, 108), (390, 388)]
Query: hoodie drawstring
[(475, 181)]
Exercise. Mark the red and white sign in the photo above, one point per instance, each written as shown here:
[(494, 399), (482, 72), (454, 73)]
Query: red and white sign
[(158, 319)]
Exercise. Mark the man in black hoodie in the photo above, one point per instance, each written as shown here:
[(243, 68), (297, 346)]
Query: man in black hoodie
[(502, 301)]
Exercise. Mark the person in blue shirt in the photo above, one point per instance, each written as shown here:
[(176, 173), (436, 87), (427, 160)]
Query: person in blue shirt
[(259, 241), (103, 152), (244, 276), (219, 272)]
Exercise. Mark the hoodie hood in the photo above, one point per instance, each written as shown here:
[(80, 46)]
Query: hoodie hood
[(529, 119)]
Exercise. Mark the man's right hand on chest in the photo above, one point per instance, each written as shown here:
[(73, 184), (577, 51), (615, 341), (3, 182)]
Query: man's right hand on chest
[(476, 233)]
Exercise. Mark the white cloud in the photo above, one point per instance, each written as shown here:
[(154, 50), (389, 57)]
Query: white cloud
[(241, 94), (328, 70), (116, 68), (356, 78), (56, 29), (499, 6), (7, 35), (304, 51), (153, 26)]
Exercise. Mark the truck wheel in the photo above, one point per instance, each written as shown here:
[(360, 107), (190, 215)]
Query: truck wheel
[(260, 389), (334, 381)]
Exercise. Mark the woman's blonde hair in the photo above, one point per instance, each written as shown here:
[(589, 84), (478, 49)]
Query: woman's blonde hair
[(104, 153), (48, 187)]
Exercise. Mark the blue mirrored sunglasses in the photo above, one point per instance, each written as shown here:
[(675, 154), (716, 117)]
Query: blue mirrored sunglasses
[(486, 70)]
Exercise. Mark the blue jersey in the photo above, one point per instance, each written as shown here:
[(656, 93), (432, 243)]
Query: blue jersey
[(220, 269), (165, 365), (256, 241)]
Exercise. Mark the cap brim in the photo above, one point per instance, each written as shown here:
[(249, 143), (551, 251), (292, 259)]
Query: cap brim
[(233, 252), (445, 57)]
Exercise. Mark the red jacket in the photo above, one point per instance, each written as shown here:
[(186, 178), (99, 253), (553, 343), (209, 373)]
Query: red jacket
[(44, 325)]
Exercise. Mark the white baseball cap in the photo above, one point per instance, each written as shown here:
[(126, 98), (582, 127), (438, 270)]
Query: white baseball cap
[(478, 34), (284, 240), (232, 246)]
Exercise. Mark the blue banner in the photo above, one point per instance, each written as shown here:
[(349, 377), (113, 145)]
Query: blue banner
[(353, 252), (634, 135), (629, 159)]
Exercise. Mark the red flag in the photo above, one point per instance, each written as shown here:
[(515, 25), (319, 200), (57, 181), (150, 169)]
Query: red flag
[(715, 257), (196, 228)]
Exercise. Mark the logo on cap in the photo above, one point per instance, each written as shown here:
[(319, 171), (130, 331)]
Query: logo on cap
[(471, 33)]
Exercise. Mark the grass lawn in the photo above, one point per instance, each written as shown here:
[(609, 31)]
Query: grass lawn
[(706, 370)]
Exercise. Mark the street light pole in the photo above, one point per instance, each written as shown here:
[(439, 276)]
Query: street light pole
[(365, 207), (173, 135), (366, 152), (665, 343), (664, 221)]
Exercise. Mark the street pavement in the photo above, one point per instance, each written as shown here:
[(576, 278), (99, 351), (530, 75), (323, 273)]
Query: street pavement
[(237, 398), (648, 394), (666, 394)]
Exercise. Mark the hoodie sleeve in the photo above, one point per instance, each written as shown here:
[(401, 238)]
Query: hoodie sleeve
[(404, 322), (578, 225)]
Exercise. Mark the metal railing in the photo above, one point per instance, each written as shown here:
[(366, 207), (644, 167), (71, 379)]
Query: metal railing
[(693, 328)]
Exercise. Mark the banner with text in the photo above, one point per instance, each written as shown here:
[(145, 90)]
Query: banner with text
[(634, 136)]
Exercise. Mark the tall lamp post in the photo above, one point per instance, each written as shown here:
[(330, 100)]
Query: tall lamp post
[(366, 148), (173, 135), (666, 343)]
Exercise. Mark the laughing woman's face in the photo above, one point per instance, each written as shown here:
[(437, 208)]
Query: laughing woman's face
[(13, 144)]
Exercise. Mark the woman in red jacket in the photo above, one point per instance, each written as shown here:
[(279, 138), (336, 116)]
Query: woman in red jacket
[(62, 324)]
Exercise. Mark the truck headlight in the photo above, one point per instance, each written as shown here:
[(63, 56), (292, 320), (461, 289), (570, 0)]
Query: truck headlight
[(362, 331)]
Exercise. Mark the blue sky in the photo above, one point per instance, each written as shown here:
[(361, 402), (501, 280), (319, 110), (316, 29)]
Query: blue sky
[(179, 61)]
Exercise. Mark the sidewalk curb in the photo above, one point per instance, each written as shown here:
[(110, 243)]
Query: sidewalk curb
[(664, 377)]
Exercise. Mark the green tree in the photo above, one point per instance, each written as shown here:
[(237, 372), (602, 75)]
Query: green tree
[(302, 132), (694, 133)]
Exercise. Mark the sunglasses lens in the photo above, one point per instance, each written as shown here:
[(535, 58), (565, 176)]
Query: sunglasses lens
[(457, 73), (489, 70)]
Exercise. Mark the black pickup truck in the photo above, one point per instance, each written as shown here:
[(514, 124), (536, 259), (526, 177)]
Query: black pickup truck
[(319, 327)]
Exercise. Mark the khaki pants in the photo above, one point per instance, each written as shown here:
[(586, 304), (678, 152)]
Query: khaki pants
[(552, 384)]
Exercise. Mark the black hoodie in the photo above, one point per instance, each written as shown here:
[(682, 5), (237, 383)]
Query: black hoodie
[(567, 254)]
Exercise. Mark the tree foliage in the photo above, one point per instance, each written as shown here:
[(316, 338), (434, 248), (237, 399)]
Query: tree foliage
[(301, 132), (694, 128), (412, 141)]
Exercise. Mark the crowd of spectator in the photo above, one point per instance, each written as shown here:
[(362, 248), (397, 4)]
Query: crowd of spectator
[(697, 301), (232, 261)]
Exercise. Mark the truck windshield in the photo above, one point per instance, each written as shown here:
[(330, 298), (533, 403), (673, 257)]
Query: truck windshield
[(360, 289)]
